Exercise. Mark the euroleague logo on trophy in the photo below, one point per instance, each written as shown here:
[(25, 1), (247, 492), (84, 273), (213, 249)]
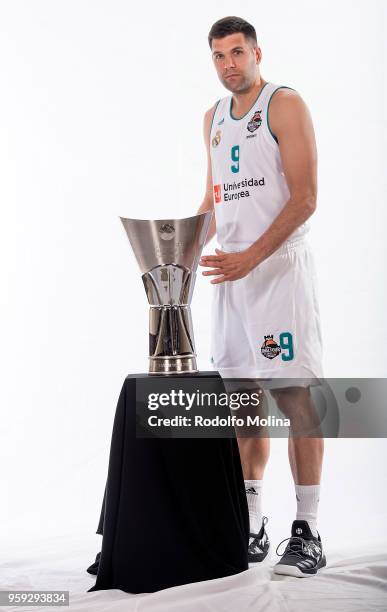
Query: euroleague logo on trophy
[(167, 231)]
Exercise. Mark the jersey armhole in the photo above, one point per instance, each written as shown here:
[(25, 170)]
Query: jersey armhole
[(267, 109), (212, 120)]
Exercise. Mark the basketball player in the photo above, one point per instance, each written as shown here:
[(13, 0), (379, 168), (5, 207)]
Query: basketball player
[(261, 182)]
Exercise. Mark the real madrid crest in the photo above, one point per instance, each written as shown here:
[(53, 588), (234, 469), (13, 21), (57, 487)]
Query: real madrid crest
[(216, 138)]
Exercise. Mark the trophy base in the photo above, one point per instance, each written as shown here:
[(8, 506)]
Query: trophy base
[(173, 365)]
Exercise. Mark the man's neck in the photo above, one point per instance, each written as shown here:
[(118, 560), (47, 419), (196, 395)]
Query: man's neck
[(242, 102)]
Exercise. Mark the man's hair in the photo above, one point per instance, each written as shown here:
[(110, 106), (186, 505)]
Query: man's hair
[(231, 25)]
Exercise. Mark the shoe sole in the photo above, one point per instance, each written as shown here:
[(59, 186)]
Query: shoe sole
[(293, 570)]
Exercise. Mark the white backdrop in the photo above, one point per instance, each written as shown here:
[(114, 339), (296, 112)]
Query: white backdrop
[(101, 115)]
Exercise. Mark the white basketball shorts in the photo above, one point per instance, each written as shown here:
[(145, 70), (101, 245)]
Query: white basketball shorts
[(267, 324)]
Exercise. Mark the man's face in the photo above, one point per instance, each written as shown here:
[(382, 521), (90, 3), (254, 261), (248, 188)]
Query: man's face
[(235, 60)]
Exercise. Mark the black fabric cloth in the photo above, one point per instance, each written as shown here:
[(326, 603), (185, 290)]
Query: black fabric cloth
[(174, 510)]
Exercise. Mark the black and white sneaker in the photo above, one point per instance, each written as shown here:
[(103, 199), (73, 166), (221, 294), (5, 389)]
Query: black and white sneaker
[(258, 544), (303, 555)]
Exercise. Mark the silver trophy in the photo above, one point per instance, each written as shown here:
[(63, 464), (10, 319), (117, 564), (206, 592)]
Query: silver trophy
[(168, 253)]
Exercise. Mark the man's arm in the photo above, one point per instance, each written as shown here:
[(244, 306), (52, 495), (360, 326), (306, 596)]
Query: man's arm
[(291, 123), (208, 200)]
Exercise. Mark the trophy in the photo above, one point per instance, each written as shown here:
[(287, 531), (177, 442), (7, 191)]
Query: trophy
[(168, 252)]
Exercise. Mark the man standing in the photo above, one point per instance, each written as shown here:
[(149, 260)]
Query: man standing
[(261, 182)]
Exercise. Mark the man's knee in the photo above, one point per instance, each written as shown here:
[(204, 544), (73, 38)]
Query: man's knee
[(290, 398)]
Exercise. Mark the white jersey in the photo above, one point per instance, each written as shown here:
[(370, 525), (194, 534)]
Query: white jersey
[(265, 324), (249, 185)]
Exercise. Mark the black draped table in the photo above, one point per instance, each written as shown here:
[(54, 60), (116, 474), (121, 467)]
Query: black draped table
[(174, 509)]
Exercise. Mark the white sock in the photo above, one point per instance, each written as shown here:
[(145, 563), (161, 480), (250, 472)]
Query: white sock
[(254, 501), (307, 504)]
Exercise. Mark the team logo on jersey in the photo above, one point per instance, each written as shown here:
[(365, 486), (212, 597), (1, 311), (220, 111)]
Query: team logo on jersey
[(216, 138), (270, 348), (218, 193), (220, 122), (255, 121)]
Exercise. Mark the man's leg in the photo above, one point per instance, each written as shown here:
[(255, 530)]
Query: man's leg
[(254, 453), (305, 458), (305, 450)]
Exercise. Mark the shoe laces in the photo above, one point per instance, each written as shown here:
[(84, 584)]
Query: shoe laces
[(254, 536), (264, 522), (296, 546)]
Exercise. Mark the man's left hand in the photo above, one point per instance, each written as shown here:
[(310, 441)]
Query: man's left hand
[(228, 266)]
